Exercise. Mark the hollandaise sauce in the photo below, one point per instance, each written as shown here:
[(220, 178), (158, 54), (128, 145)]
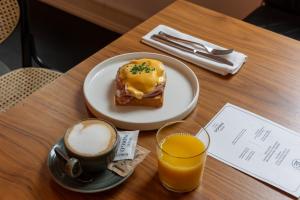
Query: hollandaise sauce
[(142, 76)]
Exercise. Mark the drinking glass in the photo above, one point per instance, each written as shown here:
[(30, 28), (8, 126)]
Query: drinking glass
[(181, 152)]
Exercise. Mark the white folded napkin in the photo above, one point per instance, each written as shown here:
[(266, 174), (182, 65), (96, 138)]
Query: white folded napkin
[(235, 57)]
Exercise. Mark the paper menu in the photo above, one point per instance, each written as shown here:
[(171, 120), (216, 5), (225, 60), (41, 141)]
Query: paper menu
[(256, 146)]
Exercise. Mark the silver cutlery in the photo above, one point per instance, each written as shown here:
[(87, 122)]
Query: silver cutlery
[(163, 39), (197, 45)]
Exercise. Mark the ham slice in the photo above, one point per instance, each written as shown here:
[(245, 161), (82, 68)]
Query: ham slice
[(124, 96)]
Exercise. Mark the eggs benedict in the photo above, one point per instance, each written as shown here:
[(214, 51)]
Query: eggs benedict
[(141, 82)]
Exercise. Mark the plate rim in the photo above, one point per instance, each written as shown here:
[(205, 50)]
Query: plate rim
[(189, 108)]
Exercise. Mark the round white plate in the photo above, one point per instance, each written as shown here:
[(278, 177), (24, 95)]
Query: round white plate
[(180, 95)]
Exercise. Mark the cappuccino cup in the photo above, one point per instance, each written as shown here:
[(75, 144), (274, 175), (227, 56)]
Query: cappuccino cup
[(93, 143)]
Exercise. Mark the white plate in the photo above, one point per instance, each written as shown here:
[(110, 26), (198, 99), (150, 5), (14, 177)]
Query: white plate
[(180, 98)]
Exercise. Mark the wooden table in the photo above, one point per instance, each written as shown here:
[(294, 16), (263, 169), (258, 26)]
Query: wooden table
[(268, 84)]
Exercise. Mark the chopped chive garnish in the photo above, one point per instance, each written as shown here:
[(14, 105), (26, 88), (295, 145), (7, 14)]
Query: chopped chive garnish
[(141, 68)]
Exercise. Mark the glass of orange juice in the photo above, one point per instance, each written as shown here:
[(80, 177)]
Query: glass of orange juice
[(181, 152)]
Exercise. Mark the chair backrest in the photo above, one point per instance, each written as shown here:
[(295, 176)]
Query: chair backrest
[(9, 17), (15, 86), (286, 5)]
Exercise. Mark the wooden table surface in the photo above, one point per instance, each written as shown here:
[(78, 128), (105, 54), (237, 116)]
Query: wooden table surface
[(268, 84)]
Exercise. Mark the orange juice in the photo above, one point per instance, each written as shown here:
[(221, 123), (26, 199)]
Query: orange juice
[(181, 161)]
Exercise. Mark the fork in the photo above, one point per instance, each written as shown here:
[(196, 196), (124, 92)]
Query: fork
[(197, 44)]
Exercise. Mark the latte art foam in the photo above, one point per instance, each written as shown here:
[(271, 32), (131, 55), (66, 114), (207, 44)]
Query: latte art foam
[(90, 138)]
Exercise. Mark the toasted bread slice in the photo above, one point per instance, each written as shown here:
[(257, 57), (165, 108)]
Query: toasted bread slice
[(156, 101)]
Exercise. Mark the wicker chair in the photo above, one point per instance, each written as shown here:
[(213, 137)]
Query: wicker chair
[(16, 85), (9, 15)]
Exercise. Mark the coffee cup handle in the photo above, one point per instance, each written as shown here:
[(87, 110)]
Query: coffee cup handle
[(72, 166)]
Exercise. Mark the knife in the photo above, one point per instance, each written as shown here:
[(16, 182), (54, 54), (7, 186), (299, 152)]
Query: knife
[(166, 41)]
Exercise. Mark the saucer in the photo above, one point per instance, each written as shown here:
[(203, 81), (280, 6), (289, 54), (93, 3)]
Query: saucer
[(102, 181)]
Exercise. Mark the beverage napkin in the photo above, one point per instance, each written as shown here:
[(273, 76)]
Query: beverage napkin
[(237, 58)]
